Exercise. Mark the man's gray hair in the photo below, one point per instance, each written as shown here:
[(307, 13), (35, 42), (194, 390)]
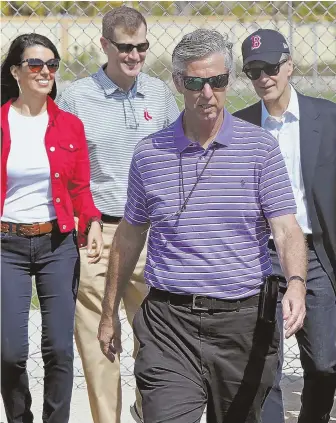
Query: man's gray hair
[(198, 45)]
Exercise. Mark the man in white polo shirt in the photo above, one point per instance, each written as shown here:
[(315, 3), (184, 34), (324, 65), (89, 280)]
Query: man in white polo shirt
[(119, 106)]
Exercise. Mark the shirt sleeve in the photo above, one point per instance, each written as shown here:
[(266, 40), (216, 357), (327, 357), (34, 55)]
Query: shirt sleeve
[(172, 110), (65, 101), (79, 185), (136, 205), (275, 190)]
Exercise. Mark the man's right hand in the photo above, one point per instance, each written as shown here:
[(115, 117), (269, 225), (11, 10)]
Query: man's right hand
[(109, 336)]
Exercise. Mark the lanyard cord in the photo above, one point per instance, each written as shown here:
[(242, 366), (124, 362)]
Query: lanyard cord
[(186, 200)]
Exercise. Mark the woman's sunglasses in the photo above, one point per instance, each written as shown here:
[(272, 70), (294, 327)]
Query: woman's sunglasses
[(270, 70), (36, 65), (195, 83), (127, 48)]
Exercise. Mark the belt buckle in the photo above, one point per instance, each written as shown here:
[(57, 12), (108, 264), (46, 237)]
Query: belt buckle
[(195, 307)]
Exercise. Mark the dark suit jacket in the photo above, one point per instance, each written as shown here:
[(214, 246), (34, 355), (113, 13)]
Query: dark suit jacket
[(318, 161)]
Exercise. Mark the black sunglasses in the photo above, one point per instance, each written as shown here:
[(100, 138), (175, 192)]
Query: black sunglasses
[(36, 65), (127, 48), (195, 83), (270, 70)]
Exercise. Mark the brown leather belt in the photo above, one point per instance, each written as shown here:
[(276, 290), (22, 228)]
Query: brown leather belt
[(28, 229)]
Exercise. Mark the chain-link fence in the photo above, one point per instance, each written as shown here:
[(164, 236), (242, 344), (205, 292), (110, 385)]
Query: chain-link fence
[(75, 28)]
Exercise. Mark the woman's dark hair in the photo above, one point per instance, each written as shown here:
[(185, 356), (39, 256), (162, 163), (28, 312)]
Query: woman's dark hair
[(9, 86)]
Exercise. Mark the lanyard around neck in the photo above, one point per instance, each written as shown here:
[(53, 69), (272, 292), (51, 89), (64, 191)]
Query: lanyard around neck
[(186, 200)]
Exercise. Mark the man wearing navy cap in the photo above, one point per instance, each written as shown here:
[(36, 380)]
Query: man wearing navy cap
[(305, 128)]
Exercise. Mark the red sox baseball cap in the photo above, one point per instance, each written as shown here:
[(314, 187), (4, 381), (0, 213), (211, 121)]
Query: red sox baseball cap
[(265, 45)]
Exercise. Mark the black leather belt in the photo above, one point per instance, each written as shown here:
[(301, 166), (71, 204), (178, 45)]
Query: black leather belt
[(110, 219), (201, 302)]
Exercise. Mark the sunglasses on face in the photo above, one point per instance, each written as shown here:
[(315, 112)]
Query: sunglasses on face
[(36, 65), (127, 48), (195, 83), (270, 70)]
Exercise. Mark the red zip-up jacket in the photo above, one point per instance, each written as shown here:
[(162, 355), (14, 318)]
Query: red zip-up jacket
[(68, 156)]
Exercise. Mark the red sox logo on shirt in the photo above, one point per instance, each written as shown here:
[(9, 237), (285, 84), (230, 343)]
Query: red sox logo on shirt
[(147, 116), (256, 42)]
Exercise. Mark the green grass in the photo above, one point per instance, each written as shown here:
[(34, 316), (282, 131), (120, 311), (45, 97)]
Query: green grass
[(234, 103), (35, 304), (327, 95)]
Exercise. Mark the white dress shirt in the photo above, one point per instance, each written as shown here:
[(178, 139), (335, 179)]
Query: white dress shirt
[(286, 130)]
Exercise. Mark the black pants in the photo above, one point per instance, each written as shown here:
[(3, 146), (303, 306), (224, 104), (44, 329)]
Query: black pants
[(226, 360), (54, 260), (317, 343)]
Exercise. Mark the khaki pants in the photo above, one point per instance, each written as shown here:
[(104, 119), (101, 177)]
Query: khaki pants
[(103, 377)]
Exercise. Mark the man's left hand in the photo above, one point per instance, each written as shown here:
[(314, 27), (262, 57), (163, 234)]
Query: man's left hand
[(294, 307), (95, 243)]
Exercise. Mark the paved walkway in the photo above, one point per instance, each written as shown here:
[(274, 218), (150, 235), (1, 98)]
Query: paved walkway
[(80, 410)]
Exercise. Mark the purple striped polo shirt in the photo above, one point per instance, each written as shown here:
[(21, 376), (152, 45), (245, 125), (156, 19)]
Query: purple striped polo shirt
[(218, 245)]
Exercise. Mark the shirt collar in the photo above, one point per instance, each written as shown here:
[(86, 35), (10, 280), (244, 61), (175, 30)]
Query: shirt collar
[(110, 87), (223, 137), (293, 108)]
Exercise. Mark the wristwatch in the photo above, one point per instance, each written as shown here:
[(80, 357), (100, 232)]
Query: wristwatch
[(94, 219), (298, 278)]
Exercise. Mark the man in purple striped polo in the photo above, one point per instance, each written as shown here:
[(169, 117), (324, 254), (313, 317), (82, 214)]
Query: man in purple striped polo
[(210, 188)]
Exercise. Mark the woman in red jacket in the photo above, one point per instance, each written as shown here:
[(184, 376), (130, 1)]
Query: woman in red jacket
[(45, 183)]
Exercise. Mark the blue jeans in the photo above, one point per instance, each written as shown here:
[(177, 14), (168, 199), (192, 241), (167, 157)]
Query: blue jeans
[(317, 344), (54, 260)]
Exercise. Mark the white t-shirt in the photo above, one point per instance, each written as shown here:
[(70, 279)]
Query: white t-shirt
[(28, 196)]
